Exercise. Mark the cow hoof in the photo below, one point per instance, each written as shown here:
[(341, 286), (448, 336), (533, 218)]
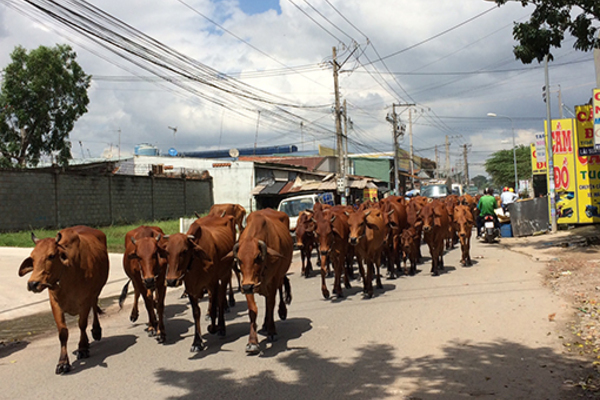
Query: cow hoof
[(197, 347), (151, 332), (282, 313), (340, 295), (211, 329), (161, 338), (368, 295), (134, 317), (231, 302), (82, 353), (62, 368), (252, 348), (272, 338), (379, 285), (348, 285), (97, 333), (326, 294)]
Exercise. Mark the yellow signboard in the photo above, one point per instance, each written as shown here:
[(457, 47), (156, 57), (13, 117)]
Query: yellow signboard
[(537, 168), (588, 167), (565, 181)]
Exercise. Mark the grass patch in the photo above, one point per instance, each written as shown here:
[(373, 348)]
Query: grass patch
[(115, 234)]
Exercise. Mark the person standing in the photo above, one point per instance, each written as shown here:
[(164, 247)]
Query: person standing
[(507, 197)]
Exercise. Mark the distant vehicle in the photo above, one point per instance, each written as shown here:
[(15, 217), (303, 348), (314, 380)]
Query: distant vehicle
[(473, 190), (457, 189), (435, 191), (293, 206)]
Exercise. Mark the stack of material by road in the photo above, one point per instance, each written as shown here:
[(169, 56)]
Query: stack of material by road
[(529, 216)]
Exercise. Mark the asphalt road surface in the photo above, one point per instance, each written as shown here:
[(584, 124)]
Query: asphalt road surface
[(473, 332)]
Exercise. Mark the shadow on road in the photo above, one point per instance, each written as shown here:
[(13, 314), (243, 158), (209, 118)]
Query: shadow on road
[(500, 370), (10, 348), (101, 350)]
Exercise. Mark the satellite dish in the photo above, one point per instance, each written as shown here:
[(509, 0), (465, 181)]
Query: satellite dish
[(234, 153)]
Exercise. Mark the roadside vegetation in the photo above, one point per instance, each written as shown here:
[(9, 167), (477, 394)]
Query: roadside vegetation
[(115, 234)]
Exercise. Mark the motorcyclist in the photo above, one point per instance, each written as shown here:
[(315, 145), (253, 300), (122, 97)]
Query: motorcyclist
[(486, 206)]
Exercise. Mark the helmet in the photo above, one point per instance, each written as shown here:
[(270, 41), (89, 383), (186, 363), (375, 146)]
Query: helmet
[(505, 189), (512, 190)]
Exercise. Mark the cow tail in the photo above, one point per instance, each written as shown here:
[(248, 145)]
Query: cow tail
[(124, 294), (288, 290)]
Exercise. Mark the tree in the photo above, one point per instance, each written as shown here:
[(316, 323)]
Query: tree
[(501, 168), (43, 93), (480, 181), (547, 26)]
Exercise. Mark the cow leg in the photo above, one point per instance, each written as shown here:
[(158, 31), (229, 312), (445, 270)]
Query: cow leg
[(345, 268), (63, 365), (378, 276), (468, 249), (338, 267), (231, 298), (361, 270), (303, 261), (270, 316), (324, 290), (197, 344), (148, 297), (161, 292), (441, 253), (252, 347), (282, 311), (368, 280), (135, 313), (83, 349), (96, 329), (309, 267)]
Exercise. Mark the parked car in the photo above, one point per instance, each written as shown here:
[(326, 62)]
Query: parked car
[(293, 206), (435, 191)]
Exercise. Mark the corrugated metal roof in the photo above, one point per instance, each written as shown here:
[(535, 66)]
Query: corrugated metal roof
[(274, 188)]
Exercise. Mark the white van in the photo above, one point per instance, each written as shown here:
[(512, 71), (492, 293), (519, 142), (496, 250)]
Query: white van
[(292, 206)]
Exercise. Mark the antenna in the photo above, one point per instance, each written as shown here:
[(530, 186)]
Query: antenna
[(174, 129)]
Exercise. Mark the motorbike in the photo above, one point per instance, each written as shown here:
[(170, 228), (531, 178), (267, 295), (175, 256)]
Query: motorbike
[(490, 232)]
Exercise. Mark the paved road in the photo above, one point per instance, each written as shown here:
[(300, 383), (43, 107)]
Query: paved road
[(477, 332)]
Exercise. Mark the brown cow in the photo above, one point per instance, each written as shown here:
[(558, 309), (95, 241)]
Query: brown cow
[(305, 239), (463, 224), (145, 263), (199, 259), (412, 217), (394, 217), (74, 268), (235, 210), (436, 229), (264, 254), (332, 235), (367, 233), (411, 241), (451, 201)]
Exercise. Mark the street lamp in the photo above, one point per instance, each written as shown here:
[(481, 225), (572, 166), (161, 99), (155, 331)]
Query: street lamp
[(514, 146)]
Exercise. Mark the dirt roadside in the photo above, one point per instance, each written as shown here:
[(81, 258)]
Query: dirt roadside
[(572, 259)]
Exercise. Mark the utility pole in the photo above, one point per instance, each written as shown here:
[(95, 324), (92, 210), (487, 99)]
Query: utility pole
[(560, 105), (345, 140), (411, 154), (550, 152), (447, 157), (396, 155), (437, 163), (466, 165), (338, 130)]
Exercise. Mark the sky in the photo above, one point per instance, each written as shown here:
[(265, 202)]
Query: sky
[(235, 73)]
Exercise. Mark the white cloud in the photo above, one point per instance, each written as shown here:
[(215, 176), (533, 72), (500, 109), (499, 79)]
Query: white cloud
[(439, 75)]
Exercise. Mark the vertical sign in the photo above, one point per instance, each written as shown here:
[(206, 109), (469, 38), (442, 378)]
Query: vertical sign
[(588, 167), (540, 147), (537, 167), (564, 171), (596, 116)]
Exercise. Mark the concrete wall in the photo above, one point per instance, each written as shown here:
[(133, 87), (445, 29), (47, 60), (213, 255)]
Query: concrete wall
[(45, 199), (233, 181)]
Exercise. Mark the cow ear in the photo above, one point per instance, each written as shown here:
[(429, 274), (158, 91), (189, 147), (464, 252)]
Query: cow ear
[(372, 226), (162, 252), (132, 256), (26, 266), (273, 255), (64, 258)]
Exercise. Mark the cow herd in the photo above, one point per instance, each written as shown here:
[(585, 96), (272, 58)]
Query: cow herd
[(73, 266)]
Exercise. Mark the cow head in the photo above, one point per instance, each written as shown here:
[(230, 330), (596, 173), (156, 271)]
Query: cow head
[(427, 216), (409, 240), (253, 258), (150, 254), (181, 250), (47, 263), (328, 231), (463, 222), (305, 228), (358, 223)]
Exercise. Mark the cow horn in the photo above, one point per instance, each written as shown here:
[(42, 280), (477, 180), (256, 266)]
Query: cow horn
[(158, 237), (367, 213), (191, 237), (430, 200), (390, 212), (34, 238), (333, 218), (313, 220), (235, 250), (223, 214), (263, 249), (58, 237), (132, 240), (196, 214), (166, 237)]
